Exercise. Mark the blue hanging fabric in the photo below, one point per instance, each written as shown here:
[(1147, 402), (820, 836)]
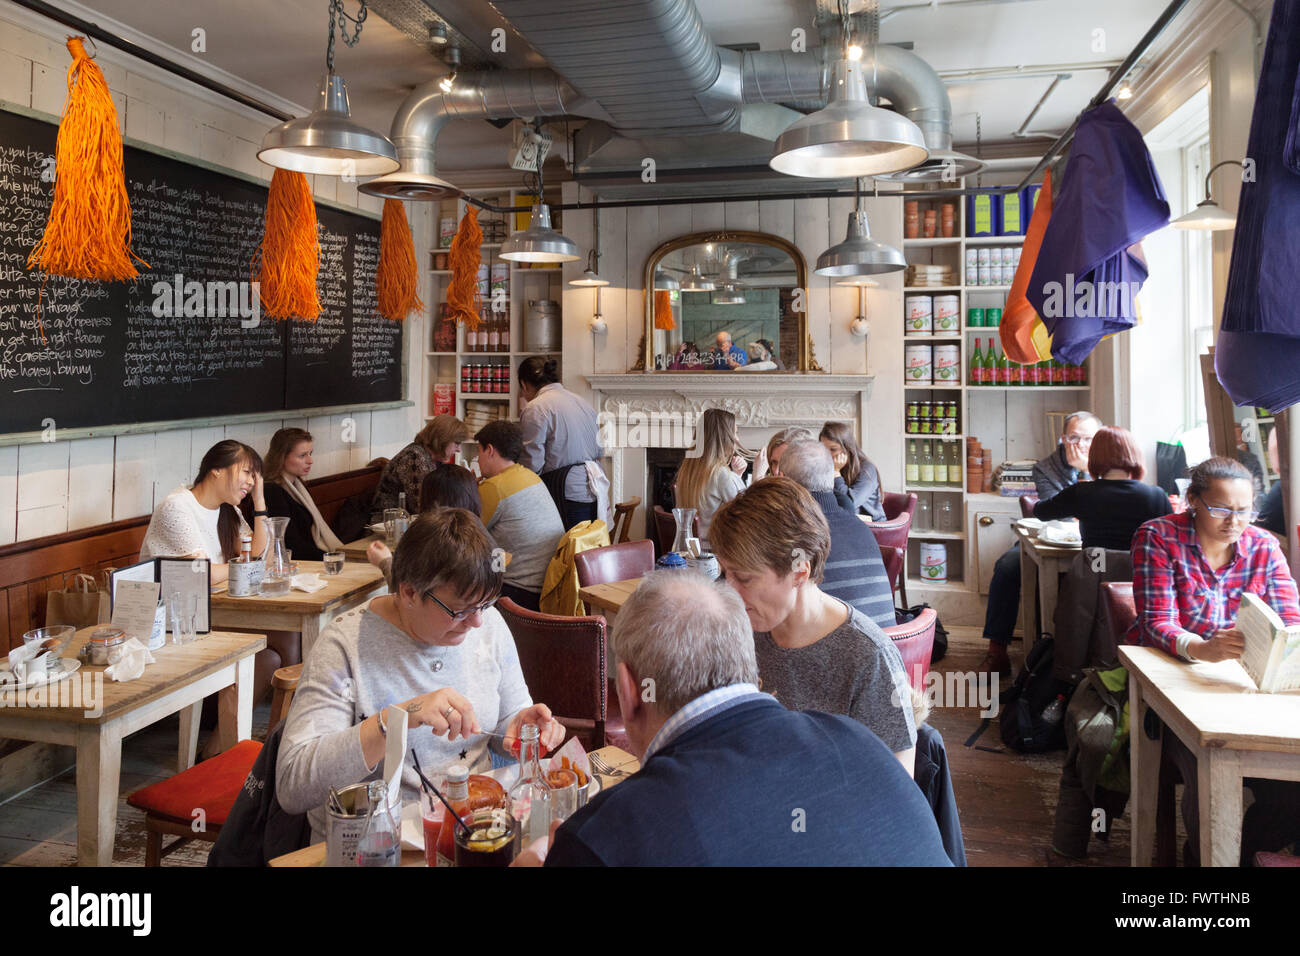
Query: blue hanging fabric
[(1257, 353), (1085, 283)]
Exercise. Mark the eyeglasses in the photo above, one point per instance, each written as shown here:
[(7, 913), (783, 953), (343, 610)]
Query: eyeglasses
[(1246, 516), (1077, 440), (458, 616)]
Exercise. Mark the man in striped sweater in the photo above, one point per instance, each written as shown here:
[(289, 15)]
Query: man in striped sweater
[(855, 572)]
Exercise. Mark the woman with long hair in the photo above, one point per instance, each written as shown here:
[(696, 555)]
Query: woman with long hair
[(287, 464), (437, 443), (858, 486), (712, 477), (203, 520)]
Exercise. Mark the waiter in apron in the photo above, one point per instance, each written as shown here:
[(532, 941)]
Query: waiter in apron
[(561, 436)]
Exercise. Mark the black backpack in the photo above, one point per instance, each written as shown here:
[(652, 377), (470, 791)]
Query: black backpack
[(1021, 720)]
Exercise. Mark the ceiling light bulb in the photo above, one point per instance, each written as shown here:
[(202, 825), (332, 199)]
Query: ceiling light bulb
[(1125, 92), (855, 52), (447, 82), (437, 34)]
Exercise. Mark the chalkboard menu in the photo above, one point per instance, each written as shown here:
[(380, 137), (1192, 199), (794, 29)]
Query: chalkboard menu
[(186, 339)]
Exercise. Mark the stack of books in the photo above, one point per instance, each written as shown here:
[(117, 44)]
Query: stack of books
[(1016, 478)]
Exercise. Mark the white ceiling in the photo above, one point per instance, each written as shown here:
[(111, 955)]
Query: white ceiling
[(279, 47)]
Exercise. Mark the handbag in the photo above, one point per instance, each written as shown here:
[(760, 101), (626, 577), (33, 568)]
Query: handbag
[(82, 604)]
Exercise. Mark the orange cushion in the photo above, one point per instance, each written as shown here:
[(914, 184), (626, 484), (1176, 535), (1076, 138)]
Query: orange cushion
[(212, 785)]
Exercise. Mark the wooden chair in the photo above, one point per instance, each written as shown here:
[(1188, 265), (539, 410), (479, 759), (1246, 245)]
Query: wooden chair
[(623, 511), (915, 643), (563, 662), (211, 786), (618, 562)]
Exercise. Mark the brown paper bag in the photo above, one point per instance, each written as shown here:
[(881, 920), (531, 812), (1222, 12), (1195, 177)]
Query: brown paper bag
[(81, 605)]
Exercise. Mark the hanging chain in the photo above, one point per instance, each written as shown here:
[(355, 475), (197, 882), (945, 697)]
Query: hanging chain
[(846, 26), (341, 17), (872, 15)]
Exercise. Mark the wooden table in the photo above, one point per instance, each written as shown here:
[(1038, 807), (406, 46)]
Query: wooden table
[(356, 550), (97, 713), (608, 598), (298, 610), (1041, 567), (1234, 732), (314, 855)]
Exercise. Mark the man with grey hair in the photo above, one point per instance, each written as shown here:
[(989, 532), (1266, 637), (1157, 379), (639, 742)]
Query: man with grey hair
[(855, 571), (1066, 465), (728, 776)]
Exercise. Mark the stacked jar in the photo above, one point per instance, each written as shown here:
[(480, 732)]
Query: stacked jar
[(931, 418)]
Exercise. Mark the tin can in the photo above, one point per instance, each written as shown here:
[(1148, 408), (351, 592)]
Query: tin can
[(446, 232), (343, 830), (919, 312), (972, 257), (947, 360), (972, 275), (918, 365), (985, 276), (993, 317), (934, 562), (985, 256), (946, 311), (106, 646), (975, 318), (245, 578)]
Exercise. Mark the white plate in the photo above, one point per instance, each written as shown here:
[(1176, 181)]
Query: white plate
[(376, 528), (67, 667)]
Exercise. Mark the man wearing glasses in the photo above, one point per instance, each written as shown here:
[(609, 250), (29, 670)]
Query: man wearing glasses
[(1065, 466)]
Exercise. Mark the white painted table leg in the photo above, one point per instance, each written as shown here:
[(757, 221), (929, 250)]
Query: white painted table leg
[(235, 707), (1144, 758), (189, 736), (1028, 596), (99, 768), (1218, 774)]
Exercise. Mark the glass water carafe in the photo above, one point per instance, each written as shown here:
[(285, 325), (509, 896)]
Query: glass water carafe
[(278, 570), (685, 518)]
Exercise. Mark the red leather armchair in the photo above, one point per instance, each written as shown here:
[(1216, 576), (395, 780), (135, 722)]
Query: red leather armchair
[(617, 562), (893, 531), (895, 504), (915, 643), (564, 665), (1027, 503), (893, 558), (1119, 608)]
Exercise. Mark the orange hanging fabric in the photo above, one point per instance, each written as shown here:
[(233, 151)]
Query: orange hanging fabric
[(664, 310), (88, 234), (290, 250), (464, 257), (1024, 337), (397, 276)]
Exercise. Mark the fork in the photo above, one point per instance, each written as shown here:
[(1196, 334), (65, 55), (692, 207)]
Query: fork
[(604, 768)]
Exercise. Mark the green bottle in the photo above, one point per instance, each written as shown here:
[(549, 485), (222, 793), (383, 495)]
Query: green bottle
[(976, 365)]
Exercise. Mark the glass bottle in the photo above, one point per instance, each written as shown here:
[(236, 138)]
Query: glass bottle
[(1002, 371), (494, 333), (954, 464), (505, 331), (530, 797), (912, 475), (927, 464), (976, 365), (940, 464), (943, 520), (380, 843), (456, 790)]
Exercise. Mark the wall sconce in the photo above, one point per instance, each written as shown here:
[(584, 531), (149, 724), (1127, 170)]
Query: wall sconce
[(597, 323), (859, 328)]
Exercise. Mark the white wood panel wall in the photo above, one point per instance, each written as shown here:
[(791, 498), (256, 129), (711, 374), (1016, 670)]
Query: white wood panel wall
[(62, 486), (628, 236)]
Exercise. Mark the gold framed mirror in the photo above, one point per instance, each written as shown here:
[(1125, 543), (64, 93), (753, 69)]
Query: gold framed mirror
[(726, 301)]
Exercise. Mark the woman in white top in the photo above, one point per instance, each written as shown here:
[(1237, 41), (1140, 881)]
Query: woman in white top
[(711, 478), (203, 520)]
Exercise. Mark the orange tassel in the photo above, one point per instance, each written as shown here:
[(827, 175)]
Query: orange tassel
[(88, 234), (664, 310), (397, 277), (464, 257), (290, 251)]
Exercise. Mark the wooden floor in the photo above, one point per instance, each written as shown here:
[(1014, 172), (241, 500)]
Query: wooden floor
[(1006, 800)]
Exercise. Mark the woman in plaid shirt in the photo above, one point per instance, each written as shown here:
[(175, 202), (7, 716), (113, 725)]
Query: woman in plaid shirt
[(1189, 573)]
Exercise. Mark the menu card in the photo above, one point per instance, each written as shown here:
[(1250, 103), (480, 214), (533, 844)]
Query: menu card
[(135, 607), (186, 575)]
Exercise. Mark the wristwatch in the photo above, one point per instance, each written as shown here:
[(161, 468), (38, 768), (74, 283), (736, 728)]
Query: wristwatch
[(259, 514), (383, 728)]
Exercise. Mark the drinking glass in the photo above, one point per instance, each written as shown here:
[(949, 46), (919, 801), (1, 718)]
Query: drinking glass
[(182, 608), (564, 793), (497, 849), (334, 562), (395, 521)]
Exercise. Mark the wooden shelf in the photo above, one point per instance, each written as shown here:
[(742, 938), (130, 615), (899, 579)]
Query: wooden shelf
[(947, 489), (937, 535), (950, 336), (986, 288), (1029, 388), (933, 241), (994, 240), (932, 388), (483, 396), (932, 288)]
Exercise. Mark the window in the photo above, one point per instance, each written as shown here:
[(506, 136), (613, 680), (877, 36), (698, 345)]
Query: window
[(1197, 263)]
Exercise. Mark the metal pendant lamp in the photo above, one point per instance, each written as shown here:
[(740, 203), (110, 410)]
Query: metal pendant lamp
[(696, 282), (859, 256), (539, 242), (729, 294), (327, 140), (590, 277), (849, 137), (1209, 216)]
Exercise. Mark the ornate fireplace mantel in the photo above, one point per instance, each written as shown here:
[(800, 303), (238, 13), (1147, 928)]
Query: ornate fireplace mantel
[(660, 400)]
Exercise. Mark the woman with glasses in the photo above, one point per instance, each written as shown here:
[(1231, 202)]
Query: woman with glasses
[(436, 648), (1189, 573)]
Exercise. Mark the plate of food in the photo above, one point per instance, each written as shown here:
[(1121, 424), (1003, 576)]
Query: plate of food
[(59, 668), (1032, 526), (1064, 533)]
